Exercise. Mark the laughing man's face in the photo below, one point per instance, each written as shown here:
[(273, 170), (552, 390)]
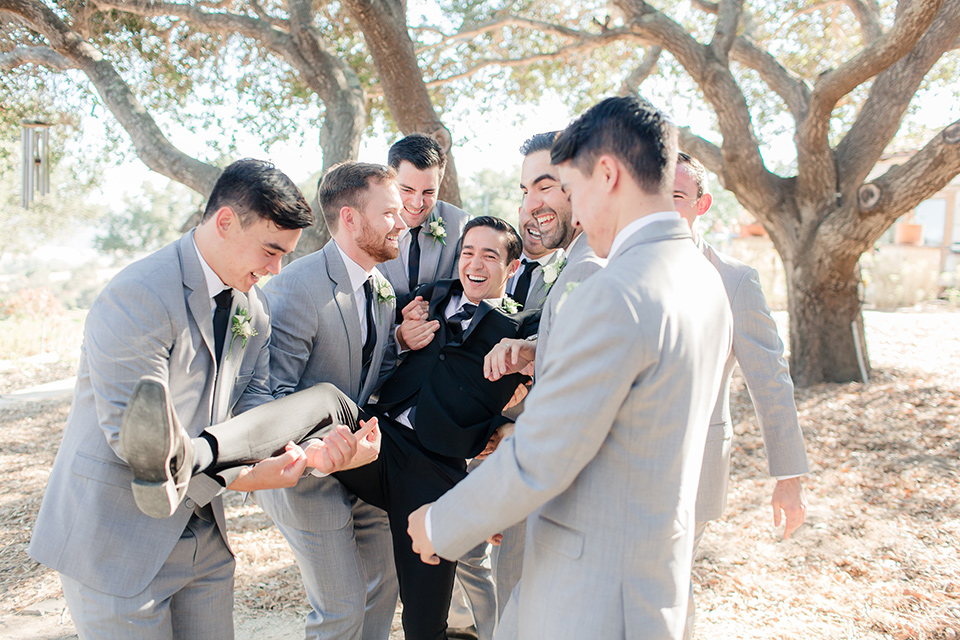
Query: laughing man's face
[(484, 269)]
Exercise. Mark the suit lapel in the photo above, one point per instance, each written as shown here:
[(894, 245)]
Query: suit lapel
[(393, 271), (232, 357), (430, 250), (482, 309), (383, 313), (199, 299), (346, 303)]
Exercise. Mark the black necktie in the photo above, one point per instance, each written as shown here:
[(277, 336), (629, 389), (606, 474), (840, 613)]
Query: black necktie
[(371, 340), (455, 322), (523, 280), (413, 265), (221, 316)]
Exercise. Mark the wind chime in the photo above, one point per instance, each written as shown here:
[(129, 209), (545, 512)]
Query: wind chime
[(35, 146)]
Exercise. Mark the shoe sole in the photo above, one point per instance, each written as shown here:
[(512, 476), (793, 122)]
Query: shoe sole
[(146, 437)]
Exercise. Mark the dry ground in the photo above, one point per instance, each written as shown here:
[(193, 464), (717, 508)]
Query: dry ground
[(879, 556)]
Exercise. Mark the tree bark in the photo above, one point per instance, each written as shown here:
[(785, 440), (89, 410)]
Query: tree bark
[(824, 310), (384, 27)]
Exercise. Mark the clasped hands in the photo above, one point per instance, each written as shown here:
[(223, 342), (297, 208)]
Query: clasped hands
[(339, 450)]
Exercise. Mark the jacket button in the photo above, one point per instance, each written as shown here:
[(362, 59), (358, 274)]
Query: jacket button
[(443, 357), (189, 504)]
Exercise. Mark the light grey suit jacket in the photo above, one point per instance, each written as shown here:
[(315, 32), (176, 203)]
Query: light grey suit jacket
[(607, 454), (580, 262), (438, 260), (154, 317), (538, 289), (759, 350), (316, 338)]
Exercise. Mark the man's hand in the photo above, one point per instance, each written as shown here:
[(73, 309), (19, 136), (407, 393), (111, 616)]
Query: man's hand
[(415, 331), (338, 448), (510, 355), (788, 499), (502, 432), (518, 395), (368, 444), (278, 472), (417, 530)]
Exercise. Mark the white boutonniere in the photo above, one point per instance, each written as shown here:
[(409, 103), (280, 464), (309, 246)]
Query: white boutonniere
[(509, 305), (552, 271), (563, 298), (241, 329), (385, 292), (436, 228)]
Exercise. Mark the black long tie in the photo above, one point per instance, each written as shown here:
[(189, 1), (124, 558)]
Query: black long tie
[(523, 280), (413, 265), (221, 317), (371, 340), (455, 322)]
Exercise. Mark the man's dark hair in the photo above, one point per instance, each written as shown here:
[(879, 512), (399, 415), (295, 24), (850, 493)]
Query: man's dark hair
[(255, 190), (514, 241), (418, 149), (628, 128), (538, 142), (345, 185), (699, 171)]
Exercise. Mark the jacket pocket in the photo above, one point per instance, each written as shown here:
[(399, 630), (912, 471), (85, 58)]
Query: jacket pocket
[(558, 537), (106, 471)]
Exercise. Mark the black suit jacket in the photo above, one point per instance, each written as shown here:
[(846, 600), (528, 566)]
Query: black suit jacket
[(458, 409)]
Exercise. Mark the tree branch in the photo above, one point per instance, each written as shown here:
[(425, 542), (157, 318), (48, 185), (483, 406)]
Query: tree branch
[(222, 22), (631, 84), (905, 186), (890, 97), (728, 18), (151, 145), (867, 13), (703, 150), (787, 85), (743, 168), (35, 55), (873, 59)]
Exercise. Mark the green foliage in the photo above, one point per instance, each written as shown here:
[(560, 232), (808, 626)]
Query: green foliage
[(149, 221), (492, 193)]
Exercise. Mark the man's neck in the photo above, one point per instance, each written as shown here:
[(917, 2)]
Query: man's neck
[(355, 253), (576, 234)]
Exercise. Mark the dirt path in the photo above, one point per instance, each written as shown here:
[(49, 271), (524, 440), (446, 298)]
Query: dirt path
[(879, 556)]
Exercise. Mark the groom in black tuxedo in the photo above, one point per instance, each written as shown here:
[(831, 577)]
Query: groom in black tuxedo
[(438, 409)]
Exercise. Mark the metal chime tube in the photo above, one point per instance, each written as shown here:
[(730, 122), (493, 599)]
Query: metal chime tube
[(45, 162), (35, 147)]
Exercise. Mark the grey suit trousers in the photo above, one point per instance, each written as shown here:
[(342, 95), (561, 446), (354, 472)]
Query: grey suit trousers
[(191, 597)]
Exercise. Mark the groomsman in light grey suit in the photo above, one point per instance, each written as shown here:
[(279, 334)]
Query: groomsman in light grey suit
[(607, 453), (759, 351), (332, 322), (429, 245), (547, 203), (124, 574)]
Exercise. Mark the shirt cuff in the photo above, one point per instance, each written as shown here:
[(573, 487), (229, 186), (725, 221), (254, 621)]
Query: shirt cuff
[(796, 475), (428, 524)]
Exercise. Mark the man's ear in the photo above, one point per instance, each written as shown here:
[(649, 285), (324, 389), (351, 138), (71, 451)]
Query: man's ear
[(348, 218), (512, 268), (609, 169), (703, 204), (224, 218)]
